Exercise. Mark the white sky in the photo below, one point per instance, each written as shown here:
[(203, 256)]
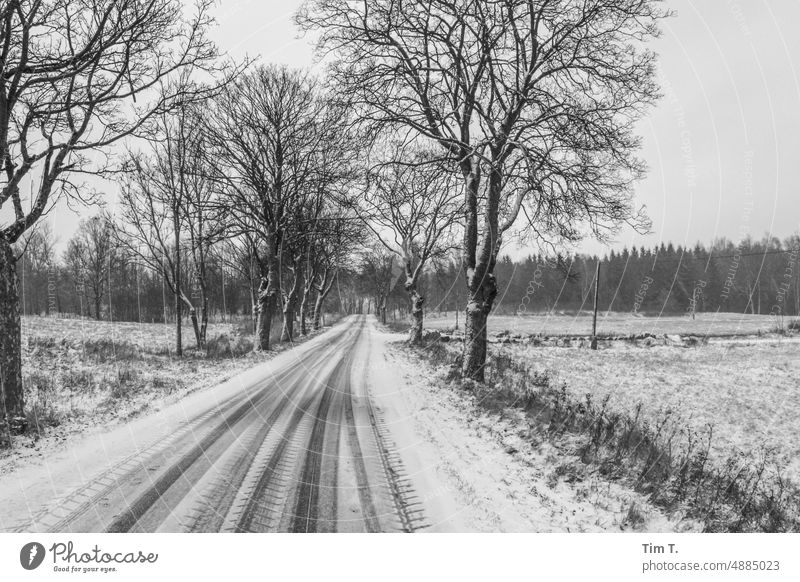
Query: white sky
[(730, 116)]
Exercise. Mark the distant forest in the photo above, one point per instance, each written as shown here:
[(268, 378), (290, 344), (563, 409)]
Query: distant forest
[(754, 276)]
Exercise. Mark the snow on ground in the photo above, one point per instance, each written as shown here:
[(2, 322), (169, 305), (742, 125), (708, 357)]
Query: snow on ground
[(617, 323), (40, 474), (748, 390), (148, 337), (476, 471), (84, 376)]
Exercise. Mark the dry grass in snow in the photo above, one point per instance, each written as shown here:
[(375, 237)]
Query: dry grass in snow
[(748, 392), (83, 375), (641, 416), (502, 481)]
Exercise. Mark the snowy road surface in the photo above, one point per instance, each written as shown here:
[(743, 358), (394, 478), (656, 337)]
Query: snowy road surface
[(343, 433), (294, 445)]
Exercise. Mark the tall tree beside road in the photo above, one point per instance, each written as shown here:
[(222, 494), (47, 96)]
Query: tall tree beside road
[(264, 136), (533, 101), (412, 204), (167, 198), (76, 77)]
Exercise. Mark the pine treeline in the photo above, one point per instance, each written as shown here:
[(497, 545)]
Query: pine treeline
[(753, 277)]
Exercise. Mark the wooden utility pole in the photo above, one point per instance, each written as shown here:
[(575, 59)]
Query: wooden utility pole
[(596, 297)]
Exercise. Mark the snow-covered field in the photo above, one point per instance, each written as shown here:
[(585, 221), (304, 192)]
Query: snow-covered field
[(617, 323), (748, 391), (474, 471), (147, 337), (83, 375)]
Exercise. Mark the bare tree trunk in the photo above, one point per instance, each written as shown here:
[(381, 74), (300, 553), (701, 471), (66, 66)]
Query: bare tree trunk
[(268, 294), (199, 337), (318, 306), (178, 326), (308, 289), (204, 317), (287, 333), (474, 341), (417, 301), (481, 283), (200, 275), (318, 311), (12, 415), (195, 327), (322, 292), (254, 304), (303, 312), (177, 276), (264, 322), (97, 300)]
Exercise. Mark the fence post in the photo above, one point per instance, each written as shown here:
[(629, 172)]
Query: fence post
[(596, 294)]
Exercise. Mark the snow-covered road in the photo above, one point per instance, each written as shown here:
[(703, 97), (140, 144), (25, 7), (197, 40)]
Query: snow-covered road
[(293, 445), (343, 433)]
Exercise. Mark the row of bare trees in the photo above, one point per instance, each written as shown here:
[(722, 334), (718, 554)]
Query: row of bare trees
[(532, 103), (210, 155), (262, 167), (283, 155), (440, 125), (75, 78)]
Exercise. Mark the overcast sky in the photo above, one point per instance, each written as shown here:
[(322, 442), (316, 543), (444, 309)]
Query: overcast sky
[(722, 145)]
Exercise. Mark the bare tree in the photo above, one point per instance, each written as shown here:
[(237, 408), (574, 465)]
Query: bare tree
[(381, 271), (36, 257), (264, 132), (333, 251), (411, 205), (171, 211), (296, 240), (205, 221), (324, 219), (91, 256), (76, 77), (534, 102)]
